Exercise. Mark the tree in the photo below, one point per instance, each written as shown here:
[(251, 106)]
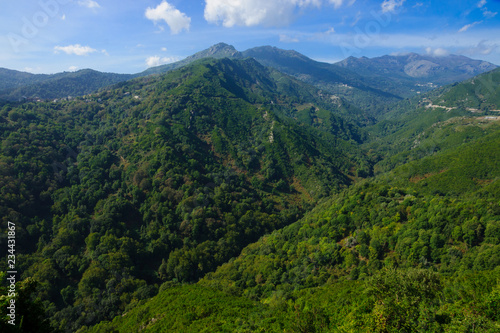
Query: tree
[(29, 315), (403, 299)]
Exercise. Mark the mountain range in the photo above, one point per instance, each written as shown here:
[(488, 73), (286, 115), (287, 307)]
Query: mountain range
[(242, 192), (410, 73), (442, 69), (366, 83)]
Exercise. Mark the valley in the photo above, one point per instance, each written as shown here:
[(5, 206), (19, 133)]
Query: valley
[(255, 191)]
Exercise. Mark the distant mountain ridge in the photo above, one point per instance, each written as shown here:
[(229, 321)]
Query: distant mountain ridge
[(15, 85), (369, 84), (419, 66), (340, 81), (414, 72), (12, 78), (362, 81)]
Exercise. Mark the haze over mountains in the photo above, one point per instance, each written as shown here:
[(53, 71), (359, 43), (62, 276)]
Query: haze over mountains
[(255, 191)]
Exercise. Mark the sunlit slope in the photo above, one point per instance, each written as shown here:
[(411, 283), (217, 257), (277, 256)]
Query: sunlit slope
[(164, 178)]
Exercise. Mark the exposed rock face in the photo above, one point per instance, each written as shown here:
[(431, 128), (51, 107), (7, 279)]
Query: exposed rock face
[(420, 68), (445, 69)]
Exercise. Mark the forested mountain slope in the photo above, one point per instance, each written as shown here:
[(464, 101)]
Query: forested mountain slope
[(357, 89), (16, 86), (415, 249), (370, 84), (439, 120), (19, 85), (15, 79), (390, 254), (164, 178), (228, 196), (397, 253)]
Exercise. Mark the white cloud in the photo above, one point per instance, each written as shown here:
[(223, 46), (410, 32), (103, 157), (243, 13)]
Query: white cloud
[(288, 39), (330, 31), (256, 12), (452, 41), (482, 48), (468, 26), (175, 19), (438, 52), (89, 4), (63, 17), (488, 14), (391, 5), (164, 49), (337, 3), (400, 53), (157, 61), (76, 49), (327, 60), (72, 68)]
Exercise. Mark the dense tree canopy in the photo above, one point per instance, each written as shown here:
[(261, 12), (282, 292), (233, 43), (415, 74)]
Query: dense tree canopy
[(226, 196)]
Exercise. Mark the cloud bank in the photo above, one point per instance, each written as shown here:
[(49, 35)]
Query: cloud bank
[(249, 13)]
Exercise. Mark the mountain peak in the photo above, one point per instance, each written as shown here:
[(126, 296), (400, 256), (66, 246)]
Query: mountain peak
[(220, 50), (273, 51)]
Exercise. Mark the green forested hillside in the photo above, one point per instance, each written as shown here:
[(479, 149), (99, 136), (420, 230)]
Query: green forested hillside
[(414, 250), (14, 79), (360, 91), (436, 121), (225, 196), (384, 256), (17, 86), (163, 178), (478, 94)]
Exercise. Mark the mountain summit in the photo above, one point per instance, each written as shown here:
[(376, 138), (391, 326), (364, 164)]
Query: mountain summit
[(220, 50)]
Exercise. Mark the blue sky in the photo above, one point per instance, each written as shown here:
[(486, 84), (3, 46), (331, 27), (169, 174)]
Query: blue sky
[(49, 36)]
